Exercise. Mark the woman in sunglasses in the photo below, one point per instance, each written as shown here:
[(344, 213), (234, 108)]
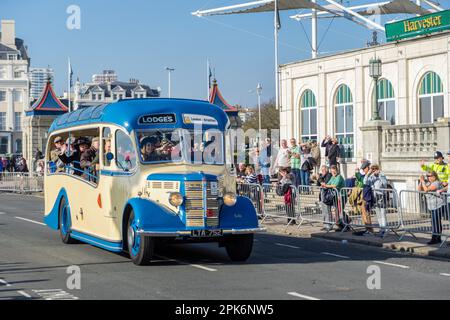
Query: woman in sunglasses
[(435, 203)]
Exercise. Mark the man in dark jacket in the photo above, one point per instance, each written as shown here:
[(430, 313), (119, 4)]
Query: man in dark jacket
[(89, 158), (326, 143), (70, 154), (333, 153)]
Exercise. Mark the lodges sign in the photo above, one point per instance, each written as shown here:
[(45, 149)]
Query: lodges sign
[(425, 24)]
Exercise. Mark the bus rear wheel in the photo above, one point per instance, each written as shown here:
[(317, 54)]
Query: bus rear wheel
[(239, 247), (65, 222), (140, 247)]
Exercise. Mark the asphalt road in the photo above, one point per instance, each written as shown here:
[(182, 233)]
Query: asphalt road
[(34, 262)]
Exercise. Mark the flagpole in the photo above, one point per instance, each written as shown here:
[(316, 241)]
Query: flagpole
[(208, 80), (68, 84), (276, 25)]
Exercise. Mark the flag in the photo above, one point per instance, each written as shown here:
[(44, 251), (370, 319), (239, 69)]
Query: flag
[(278, 15), (70, 75)]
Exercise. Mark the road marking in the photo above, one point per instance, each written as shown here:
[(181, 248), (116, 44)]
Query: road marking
[(26, 295), (392, 264), (5, 283), (55, 294), (287, 246), (2, 213), (32, 221), (198, 266), (335, 255), (445, 274), (298, 295)]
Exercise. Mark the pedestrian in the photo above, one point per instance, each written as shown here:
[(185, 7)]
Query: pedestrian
[(283, 158), (306, 165), (326, 143), (240, 173), (377, 181), (40, 168), (333, 153), (329, 198), (439, 166), (324, 175), (315, 153), (357, 200), (295, 162), (264, 166), (37, 156), (284, 189), (250, 177), (435, 203)]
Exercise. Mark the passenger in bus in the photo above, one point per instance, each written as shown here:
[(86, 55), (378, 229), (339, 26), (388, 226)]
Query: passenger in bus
[(56, 164), (150, 151), (70, 153), (89, 158), (107, 149)]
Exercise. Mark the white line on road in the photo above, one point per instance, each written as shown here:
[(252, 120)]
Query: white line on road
[(2, 213), (445, 274), (287, 246), (32, 221), (26, 295), (198, 266), (335, 255), (392, 264), (5, 283), (298, 295)]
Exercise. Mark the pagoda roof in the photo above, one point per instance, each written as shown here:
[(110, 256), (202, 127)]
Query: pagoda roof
[(216, 98), (48, 103)]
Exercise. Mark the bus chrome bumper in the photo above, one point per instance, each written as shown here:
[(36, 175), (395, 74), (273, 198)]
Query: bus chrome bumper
[(190, 234)]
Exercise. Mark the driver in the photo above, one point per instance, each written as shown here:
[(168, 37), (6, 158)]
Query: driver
[(150, 151)]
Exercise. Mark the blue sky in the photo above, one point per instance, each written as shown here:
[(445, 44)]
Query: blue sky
[(139, 38)]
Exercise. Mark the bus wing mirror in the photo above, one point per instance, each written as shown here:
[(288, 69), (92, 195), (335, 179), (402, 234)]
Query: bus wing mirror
[(109, 156)]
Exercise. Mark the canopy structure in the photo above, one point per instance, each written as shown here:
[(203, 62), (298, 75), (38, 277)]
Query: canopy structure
[(47, 104), (217, 99)]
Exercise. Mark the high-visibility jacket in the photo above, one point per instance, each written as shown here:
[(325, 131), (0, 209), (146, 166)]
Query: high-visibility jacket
[(442, 170)]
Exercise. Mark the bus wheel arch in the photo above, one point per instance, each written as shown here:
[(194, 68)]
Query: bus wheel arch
[(64, 221)]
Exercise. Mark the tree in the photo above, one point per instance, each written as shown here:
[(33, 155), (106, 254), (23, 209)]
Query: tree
[(270, 117)]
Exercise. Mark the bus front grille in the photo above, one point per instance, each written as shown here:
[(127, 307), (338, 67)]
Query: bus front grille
[(202, 206)]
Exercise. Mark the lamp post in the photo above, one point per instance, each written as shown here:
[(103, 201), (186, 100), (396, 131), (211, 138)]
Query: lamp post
[(170, 70), (259, 92), (375, 73)]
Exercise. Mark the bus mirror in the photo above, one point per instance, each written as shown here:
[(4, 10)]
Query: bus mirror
[(109, 156)]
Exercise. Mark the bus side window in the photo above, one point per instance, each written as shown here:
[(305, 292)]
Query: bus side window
[(125, 153), (106, 145)]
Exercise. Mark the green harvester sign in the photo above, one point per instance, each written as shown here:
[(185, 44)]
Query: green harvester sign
[(426, 24)]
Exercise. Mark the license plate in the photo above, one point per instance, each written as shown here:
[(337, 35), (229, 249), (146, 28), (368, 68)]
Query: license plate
[(206, 233)]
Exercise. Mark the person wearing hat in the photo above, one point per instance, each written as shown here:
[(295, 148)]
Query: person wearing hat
[(89, 157), (70, 154), (149, 150), (439, 166), (54, 154), (357, 195)]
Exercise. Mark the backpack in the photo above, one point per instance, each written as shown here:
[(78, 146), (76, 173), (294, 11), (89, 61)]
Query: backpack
[(327, 196)]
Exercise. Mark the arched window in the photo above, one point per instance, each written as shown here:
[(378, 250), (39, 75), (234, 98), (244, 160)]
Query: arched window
[(431, 98), (308, 108), (343, 115), (386, 100)]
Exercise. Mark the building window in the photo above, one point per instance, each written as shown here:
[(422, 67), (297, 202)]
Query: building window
[(17, 74), (114, 96), (17, 121), (17, 96), (19, 146), (2, 96), (2, 73), (308, 109), (386, 101), (431, 98), (2, 121), (343, 104), (3, 145)]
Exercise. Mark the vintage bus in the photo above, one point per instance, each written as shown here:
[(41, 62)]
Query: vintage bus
[(159, 175)]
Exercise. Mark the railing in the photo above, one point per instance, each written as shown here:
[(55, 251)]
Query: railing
[(21, 182), (414, 140)]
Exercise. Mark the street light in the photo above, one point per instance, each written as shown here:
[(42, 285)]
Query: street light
[(170, 70), (259, 92), (375, 73)]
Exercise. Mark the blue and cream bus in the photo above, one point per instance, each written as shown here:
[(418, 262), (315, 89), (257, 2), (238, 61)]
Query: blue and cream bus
[(160, 175)]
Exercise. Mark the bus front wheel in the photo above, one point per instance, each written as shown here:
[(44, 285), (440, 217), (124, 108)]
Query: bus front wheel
[(65, 222), (239, 247), (140, 247)]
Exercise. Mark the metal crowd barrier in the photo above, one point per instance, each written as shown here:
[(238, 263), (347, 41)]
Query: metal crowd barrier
[(275, 207), (425, 212), (318, 205), (382, 212), (21, 182), (253, 192)]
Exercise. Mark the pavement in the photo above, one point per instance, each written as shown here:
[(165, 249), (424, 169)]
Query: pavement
[(34, 265)]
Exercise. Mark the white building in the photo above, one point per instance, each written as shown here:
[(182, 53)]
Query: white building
[(14, 92), (38, 79), (332, 95), (106, 76)]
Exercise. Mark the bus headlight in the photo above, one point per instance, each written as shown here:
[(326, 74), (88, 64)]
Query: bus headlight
[(229, 199), (175, 199)]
